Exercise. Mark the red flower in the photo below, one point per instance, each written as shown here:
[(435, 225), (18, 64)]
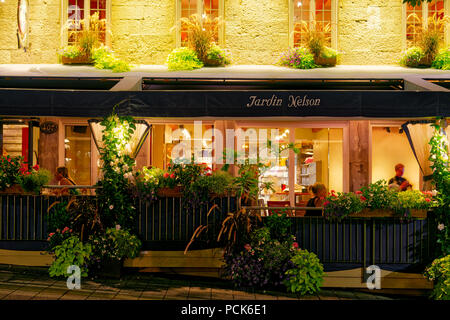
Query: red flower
[(363, 198), (208, 174), (427, 199), (36, 167), (172, 176), (295, 245), (358, 192), (248, 247), (166, 175), (65, 229), (207, 168), (326, 203), (51, 235)]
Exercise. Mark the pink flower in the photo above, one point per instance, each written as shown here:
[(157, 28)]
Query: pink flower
[(427, 199), (295, 245), (51, 235), (65, 229), (248, 247), (326, 203), (172, 176)]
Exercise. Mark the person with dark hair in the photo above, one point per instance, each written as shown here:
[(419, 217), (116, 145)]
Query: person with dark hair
[(398, 182), (320, 192), (62, 176)]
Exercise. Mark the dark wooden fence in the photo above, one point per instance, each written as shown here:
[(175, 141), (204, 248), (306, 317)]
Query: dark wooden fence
[(165, 225)]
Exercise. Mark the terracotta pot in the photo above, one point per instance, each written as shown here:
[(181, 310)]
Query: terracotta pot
[(84, 59), (325, 61), (425, 62), (171, 192), (213, 63), (16, 189)]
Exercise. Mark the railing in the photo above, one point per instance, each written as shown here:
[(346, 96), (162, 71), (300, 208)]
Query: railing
[(166, 225)]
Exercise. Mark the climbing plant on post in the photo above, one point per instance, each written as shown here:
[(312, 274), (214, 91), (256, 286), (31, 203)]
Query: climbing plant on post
[(115, 195), (440, 164)]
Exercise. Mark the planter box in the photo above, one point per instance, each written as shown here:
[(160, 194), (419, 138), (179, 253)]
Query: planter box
[(325, 61), (17, 189), (213, 63), (379, 213), (85, 59), (111, 268), (170, 192)]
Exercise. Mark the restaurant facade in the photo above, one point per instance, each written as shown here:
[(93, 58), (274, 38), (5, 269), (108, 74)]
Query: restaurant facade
[(350, 125)]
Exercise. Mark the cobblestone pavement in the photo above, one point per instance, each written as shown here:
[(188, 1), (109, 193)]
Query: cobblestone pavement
[(37, 285)]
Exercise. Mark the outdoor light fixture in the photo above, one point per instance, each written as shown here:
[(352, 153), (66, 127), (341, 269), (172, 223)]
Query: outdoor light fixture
[(137, 139)]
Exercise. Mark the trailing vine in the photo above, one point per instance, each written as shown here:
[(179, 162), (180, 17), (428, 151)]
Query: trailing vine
[(115, 196), (440, 164)]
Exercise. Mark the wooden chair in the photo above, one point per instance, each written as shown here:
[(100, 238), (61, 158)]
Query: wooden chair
[(279, 204)]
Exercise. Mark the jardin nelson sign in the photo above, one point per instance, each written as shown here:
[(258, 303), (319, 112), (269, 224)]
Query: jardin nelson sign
[(276, 101)]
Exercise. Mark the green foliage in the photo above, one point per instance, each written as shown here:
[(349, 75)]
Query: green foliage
[(71, 252), (378, 195), (415, 3), (32, 181), (116, 244), (412, 58), (58, 237), (148, 182), (341, 205), (328, 53), (116, 193), (413, 199), (299, 58), (104, 58), (439, 272), (279, 226), (442, 60), (439, 153), (183, 59), (9, 170), (307, 276), (72, 51), (58, 216), (216, 56)]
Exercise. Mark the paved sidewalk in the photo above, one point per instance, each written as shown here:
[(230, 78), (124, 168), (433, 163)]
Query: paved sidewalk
[(37, 285)]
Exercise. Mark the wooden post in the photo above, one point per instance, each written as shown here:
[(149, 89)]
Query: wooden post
[(49, 149), (359, 154)]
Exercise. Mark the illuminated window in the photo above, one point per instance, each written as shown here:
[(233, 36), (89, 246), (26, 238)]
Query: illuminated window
[(418, 17), (77, 155), (206, 8), (309, 14), (76, 17)]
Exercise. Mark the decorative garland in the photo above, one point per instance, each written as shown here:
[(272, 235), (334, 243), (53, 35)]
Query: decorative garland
[(440, 164)]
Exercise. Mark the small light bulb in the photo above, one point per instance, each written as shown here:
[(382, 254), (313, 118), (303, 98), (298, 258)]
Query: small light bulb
[(299, 4)]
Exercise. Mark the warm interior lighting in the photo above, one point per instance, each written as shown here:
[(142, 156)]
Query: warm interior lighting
[(131, 147)]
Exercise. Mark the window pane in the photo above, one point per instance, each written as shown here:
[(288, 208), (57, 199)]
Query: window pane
[(94, 4), (102, 4), (77, 158)]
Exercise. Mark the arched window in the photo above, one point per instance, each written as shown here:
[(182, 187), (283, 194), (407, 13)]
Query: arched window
[(319, 14), (205, 8), (76, 15)]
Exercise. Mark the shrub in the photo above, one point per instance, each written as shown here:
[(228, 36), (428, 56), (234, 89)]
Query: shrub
[(279, 226), (413, 199), (34, 180), (412, 57), (328, 52), (298, 58), (341, 205), (115, 244), (430, 44), (307, 275), (72, 51), (104, 58), (148, 182), (58, 216), (217, 56), (71, 252), (9, 170), (439, 272), (58, 237), (183, 59), (442, 60), (378, 195)]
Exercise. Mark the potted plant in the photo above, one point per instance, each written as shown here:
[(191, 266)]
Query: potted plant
[(316, 38), (217, 57), (9, 170), (112, 248), (74, 54), (33, 180)]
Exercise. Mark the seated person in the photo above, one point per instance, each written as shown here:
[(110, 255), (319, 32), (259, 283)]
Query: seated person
[(62, 176), (398, 182), (320, 192)]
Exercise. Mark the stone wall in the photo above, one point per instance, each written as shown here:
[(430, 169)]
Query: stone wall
[(255, 31)]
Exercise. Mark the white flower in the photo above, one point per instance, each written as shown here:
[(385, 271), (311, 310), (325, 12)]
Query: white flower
[(117, 226), (441, 226), (111, 207), (434, 193)]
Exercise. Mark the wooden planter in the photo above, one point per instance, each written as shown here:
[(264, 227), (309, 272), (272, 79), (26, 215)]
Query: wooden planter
[(379, 213), (170, 192), (325, 61), (84, 59), (17, 189)]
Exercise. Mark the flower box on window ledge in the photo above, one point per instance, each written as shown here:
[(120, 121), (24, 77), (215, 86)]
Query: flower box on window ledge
[(82, 59), (325, 61), (379, 213), (16, 190), (170, 192)]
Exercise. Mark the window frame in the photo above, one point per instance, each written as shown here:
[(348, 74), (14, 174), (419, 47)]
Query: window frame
[(87, 8), (334, 22), (425, 14), (200, 12)]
